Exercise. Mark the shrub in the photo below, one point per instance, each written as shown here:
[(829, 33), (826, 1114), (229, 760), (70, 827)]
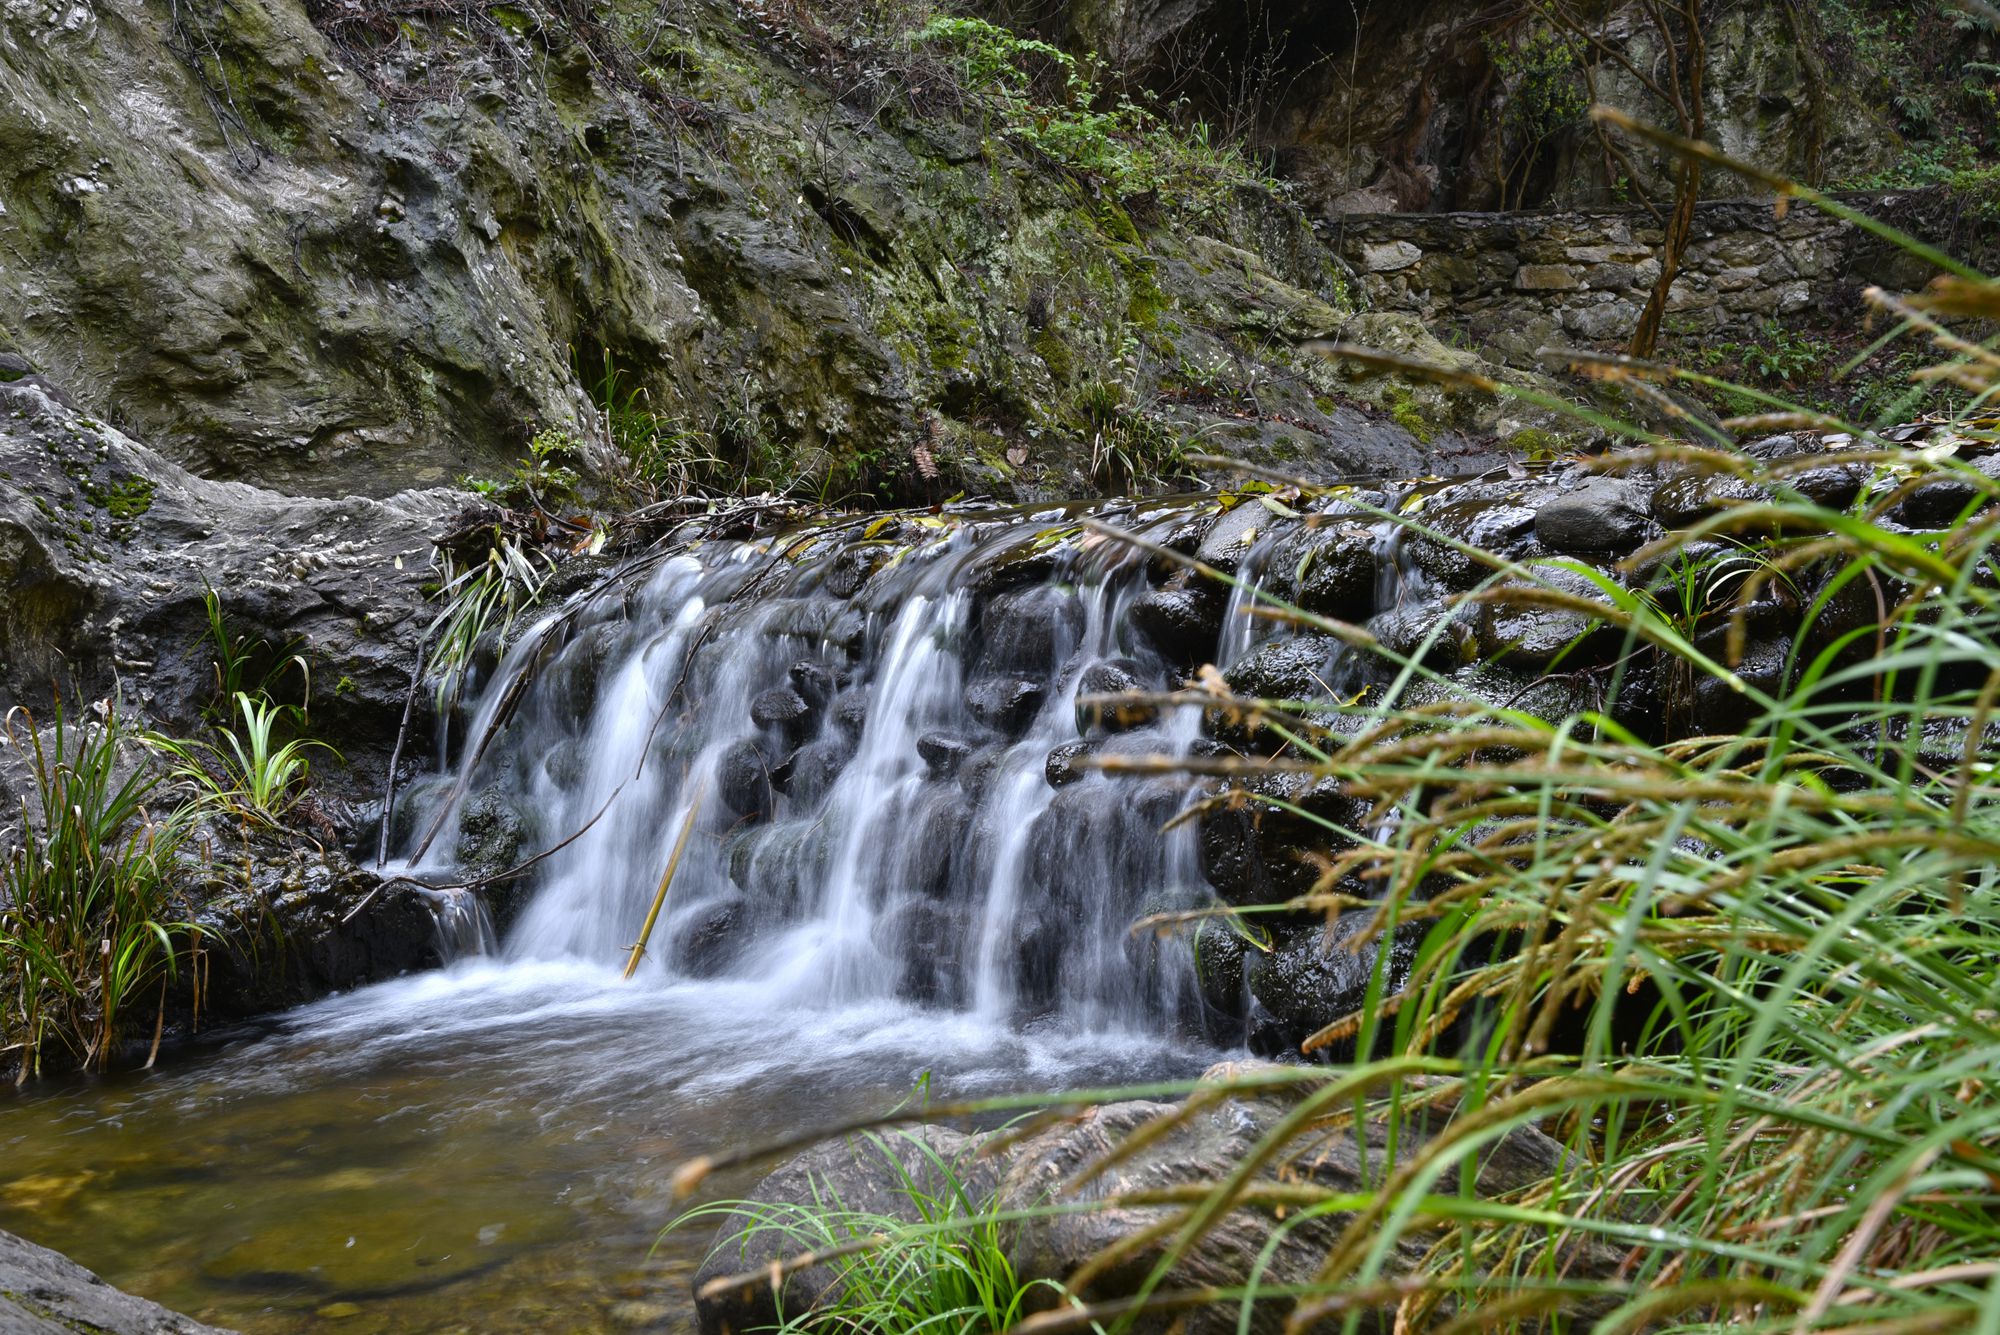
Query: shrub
[(1051, 102), (544, 481)]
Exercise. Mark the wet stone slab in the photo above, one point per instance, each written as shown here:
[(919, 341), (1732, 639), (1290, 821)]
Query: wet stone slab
[(45, 1293)]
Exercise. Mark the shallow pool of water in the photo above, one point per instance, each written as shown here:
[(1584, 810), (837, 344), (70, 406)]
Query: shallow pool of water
[(484, 1149)]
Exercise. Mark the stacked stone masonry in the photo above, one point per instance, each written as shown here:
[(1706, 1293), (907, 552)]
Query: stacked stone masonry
[(1516, 282)]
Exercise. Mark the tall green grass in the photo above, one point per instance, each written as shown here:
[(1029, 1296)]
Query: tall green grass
[(85, 927), (255, 772), (1750, 981), (935, 1263)]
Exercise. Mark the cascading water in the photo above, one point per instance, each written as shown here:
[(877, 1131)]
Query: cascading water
[(864, 755)]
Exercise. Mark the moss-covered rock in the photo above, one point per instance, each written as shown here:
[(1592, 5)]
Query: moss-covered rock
[(294, 259)]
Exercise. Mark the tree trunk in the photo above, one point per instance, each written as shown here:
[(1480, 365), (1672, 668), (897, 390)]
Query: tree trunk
[(1680, 226), (1687, 88)]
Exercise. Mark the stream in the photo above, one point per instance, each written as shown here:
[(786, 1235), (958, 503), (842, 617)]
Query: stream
[(886, 885), (486, 1148)]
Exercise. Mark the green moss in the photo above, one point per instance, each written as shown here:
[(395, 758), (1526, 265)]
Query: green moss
[(949, 333), (1535, 444), (1117, 224), (1404, 411), (1148, 303), (121, 502), (1054, 353)]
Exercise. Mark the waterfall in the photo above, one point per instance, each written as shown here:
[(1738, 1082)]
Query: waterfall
[(859, 738)]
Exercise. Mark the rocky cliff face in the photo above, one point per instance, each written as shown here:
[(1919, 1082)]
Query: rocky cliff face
[(357, 247), (42, 1293), (107, 551)]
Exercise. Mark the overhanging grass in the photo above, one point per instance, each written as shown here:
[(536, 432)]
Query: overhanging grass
[(1750, 981)]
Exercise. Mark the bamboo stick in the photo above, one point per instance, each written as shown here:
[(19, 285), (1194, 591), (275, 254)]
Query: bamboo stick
[(666, 879)]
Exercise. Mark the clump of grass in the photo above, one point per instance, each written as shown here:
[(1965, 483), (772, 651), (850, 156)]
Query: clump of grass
[(251, 774), (85, 927), (479, 599), (661, 456), (244, 664), (938, 1263)]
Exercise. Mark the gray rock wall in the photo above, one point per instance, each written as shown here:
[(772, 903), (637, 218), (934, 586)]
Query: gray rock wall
[(1520, 281), (45, 1293), (296, 245)]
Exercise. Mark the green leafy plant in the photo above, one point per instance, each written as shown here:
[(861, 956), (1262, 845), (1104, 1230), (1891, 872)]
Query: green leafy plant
[(479, 600), (244, 665), (937, 1264), (1050, 101), (251, 773), (1546, 96), (84, 920), (543, 482), (664, 456), (1781, 356)]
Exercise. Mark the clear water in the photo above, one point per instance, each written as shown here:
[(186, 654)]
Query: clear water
[(485, 1149)]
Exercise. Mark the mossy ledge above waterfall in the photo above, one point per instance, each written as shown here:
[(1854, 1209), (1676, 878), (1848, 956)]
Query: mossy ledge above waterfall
[(357, 248)]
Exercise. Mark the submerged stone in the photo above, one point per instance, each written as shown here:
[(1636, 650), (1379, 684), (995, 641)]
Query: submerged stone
[(1027, 631), (1233, 535), (1118, 676), (1313, 976), (1288, 669), (1062, 767), (359, 1238), (1439, 637), (1498, 525), (1181, 621), (783, 710), (1272, 841), (1527, 635), (943, 752), (707, 946), (1330, 571), (1005, 703), (743, 780), (814, 769), (1187, 1147)]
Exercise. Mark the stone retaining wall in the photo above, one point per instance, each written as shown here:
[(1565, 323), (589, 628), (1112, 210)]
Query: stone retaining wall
[(1516, 282)]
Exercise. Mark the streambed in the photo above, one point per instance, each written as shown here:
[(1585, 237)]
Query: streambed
[(484, 1149)]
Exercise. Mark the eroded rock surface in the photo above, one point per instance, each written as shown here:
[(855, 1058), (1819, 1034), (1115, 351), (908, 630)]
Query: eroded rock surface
[(107, 550), (45, 1293), (300, 244), (1045, 1170)]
